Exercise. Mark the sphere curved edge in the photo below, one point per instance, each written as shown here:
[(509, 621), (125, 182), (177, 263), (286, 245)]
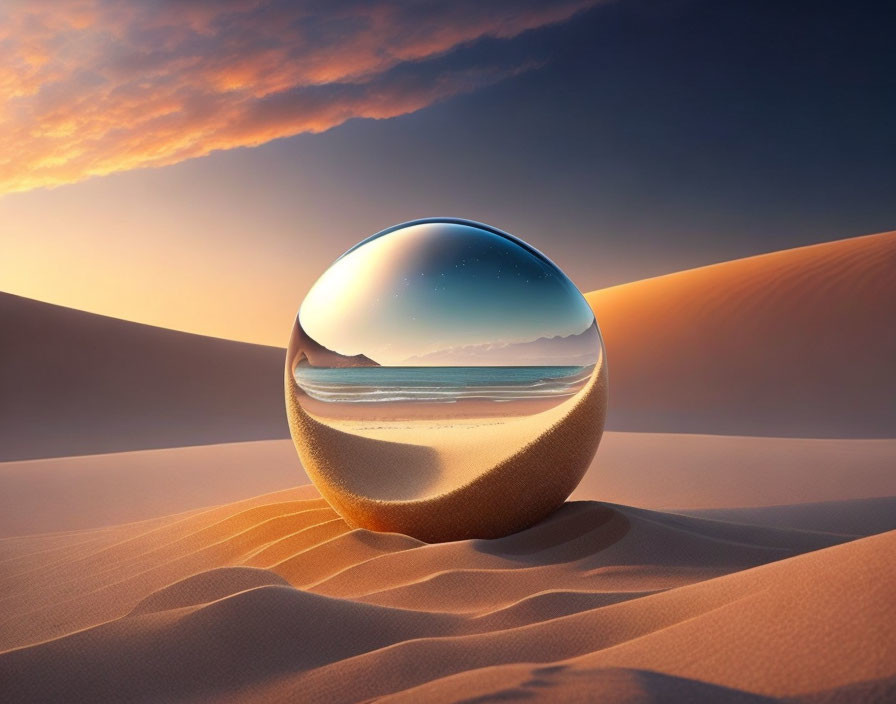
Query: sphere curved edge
[(446, 381)]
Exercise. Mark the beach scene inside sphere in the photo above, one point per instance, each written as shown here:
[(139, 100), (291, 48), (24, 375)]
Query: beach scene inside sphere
[(442, 318)]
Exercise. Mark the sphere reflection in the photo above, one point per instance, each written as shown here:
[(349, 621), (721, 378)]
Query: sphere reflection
[(445, 380)]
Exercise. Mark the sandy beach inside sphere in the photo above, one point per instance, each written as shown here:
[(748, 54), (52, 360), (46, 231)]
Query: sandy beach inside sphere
[(447, 478)]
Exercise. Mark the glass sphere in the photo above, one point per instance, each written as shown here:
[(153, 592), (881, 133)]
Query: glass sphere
[(445, 380)]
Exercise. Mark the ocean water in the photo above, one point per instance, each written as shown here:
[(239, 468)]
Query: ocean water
[(440, 384)]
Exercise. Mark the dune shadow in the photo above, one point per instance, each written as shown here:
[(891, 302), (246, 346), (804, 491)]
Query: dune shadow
[(206, 587), (576, 530), (620, 685)]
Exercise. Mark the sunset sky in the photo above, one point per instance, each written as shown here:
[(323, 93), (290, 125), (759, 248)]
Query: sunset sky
[(197, 165)]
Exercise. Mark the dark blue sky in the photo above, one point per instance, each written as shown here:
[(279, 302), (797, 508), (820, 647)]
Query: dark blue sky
[(665, 138), (657, 136)]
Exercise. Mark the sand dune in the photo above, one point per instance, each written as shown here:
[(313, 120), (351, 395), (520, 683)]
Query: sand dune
[(856, 517), (597, 594), (797, 343), (652, 470), (74, 383), (559, 683), (274, 598), (74, 493), (205, 587), (153, 587), (817, 622), (678, 471)]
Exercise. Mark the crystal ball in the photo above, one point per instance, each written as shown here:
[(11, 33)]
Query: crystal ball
[(445, 380)]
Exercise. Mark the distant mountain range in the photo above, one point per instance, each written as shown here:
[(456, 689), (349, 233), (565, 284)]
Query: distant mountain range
[(317, 355), (569, 350)]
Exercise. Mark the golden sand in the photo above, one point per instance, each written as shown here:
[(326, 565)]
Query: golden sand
[(438, 481), (277, 599)]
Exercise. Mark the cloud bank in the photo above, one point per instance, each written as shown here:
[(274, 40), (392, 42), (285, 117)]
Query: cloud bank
[(90, 87)]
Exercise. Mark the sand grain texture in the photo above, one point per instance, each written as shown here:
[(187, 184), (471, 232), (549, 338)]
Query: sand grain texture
[(438, 481), (276, 598), (156, 584), (652, 470), (74, 383), (796, 343), (701, 351)]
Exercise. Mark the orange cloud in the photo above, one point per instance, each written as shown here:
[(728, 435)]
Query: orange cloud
[(90, 87)]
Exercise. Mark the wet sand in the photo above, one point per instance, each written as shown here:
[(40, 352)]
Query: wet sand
[(422, 410)]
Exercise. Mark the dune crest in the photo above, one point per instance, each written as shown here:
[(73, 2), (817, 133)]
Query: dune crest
[(241, 602), (74, 383), (278, 598), (699, 351), (796, 343)]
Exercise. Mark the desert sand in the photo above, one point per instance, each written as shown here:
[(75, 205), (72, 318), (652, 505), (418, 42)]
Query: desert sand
[(441, 481), (797, 343), (652, 470), (277, 599), (75, 383), (700, 351), (91, 491), (695, 566)]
